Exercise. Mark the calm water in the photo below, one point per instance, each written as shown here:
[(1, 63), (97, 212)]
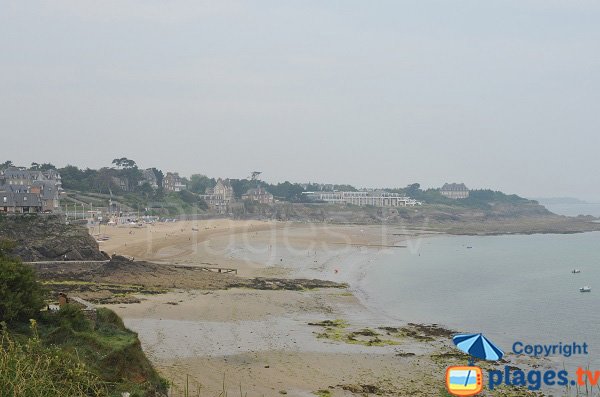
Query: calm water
[(508, 287), (574, 209)]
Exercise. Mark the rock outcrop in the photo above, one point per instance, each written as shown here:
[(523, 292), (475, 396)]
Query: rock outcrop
[(48, 238)]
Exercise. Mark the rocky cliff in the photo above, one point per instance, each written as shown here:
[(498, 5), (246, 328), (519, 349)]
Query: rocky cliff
[(47, 238)]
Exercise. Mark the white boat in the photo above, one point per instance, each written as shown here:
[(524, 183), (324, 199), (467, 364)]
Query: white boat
[(585, 289), (575, 271)]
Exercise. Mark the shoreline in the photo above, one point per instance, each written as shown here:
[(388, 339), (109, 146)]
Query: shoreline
[(264, 340)]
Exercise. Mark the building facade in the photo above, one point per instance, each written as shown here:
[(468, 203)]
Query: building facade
[(220, 196), (20, 203), (172, 182), (455, 191), (47, 185), (149, 177), (375, 198), (259, 195)]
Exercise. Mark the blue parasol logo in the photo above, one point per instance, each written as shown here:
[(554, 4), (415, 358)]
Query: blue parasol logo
[(478, 346)]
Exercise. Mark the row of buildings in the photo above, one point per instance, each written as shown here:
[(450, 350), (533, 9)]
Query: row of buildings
[(29, 191), (221, 196), (171, 182), (377, 198), (32, 191)]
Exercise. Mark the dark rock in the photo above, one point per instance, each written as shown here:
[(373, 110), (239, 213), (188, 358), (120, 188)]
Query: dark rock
[(48, 238)]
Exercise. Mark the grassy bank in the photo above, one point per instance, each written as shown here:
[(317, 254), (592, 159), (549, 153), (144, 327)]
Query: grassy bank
[(65, 354)]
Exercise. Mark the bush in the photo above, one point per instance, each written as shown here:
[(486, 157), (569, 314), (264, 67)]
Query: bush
[(30, 369), (71, 317), (21, 296)]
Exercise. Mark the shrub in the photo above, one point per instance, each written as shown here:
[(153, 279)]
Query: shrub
[(21, 296), (30, 369)]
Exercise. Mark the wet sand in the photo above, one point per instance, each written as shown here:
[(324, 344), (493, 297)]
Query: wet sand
[(262, 340), (237, 333)]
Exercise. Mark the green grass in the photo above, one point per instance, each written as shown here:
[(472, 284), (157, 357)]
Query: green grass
[(107, 350), (29, 368)]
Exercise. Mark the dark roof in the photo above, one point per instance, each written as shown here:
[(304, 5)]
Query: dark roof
[(48, 189), (16, 173), (453, 187), (14, 189), (10, 199), (257, 191)]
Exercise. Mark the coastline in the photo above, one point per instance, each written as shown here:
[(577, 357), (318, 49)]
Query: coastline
[(222, 329), (262, 340)]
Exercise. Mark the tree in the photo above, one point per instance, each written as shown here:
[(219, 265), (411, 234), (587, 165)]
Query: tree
[(124, 163), (199, 183), (76, 179), (42, 167), (6, 164), (287, 191), (413, 190), (146, 190), (21, 295)]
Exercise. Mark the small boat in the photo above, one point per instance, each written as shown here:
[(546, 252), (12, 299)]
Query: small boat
[(469, 247), (585, 289), (575, 271)]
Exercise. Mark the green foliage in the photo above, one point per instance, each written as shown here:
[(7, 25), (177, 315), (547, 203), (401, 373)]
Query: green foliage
[(124, 163), (317, 187), (6, 164), (287, 191), (478, 199), (75, 179), (21, 296), (241, 186), (110, 350), (71, 317), (42, 167), (32, 369)]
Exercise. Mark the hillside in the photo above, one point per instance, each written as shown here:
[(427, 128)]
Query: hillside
[(525, 217), (48, 237)]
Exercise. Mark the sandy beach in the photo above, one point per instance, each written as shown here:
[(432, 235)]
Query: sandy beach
[(299, 343)]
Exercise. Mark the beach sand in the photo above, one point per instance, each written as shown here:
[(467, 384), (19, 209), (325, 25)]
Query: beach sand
[(255, 248), (261, 341)]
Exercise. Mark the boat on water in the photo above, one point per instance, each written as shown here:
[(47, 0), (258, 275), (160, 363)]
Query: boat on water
[(575, 271), (585, 289)]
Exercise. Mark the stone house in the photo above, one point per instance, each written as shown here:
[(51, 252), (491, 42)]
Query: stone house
[(172, 182), (46, 184), (455, 191), (259, 195), (20, 203), (220, 196), (148, 176)]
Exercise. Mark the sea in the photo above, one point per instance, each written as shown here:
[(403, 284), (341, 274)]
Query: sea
[(573, 209), (515, 288)]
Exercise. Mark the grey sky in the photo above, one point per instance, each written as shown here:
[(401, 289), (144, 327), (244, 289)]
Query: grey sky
[(499, 94)]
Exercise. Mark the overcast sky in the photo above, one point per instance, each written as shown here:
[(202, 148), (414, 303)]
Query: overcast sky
[(498, 94)]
